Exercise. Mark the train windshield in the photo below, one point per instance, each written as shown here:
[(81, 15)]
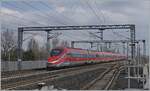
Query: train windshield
[(55, 52)]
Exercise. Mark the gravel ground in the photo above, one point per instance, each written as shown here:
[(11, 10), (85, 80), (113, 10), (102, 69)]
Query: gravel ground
[(122, 83), (18, 73)]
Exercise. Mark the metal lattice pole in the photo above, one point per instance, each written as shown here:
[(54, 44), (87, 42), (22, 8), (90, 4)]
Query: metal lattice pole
[(48, 42), (144, 55), (144, 50), (132, 31), (91, 45), (138, 59), (128, 76), (124, 54), (123, 47), (132, 34), (72, 44), (101, 35), (19, 51), (109, 44)]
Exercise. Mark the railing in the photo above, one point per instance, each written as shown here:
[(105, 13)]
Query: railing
[(25, 65)]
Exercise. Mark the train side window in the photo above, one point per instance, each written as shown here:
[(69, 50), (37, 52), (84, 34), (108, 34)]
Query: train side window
[(78, 55), (69, 54), (72, 54), (75, 55)]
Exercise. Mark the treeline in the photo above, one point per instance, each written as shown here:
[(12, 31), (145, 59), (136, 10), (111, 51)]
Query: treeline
[(33, 51)]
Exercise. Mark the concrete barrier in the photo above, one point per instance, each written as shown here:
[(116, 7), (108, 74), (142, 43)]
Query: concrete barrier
[(12, 65)]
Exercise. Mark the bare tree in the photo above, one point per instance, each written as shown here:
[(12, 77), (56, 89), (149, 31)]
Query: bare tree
[(32, 52), (64, 43), (33, 45), (55, 42), (44, 53), (8, 43)]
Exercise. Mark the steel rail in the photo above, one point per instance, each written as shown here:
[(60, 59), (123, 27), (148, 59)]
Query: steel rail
[(34, 73), (29, 82), (115, 75), (26, 82), (99, 77)]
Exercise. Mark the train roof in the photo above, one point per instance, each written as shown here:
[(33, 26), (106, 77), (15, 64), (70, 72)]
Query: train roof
[(69, 48)]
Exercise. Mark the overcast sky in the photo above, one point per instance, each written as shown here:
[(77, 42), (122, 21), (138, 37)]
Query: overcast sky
[(17, 13)]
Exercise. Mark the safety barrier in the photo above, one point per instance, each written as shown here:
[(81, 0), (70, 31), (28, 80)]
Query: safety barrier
[(25, 65)]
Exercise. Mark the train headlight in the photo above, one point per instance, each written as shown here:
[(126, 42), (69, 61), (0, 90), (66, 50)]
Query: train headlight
[(55, 61)]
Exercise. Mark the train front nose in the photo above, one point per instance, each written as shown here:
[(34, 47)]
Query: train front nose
[(50, 62), (53, 60)]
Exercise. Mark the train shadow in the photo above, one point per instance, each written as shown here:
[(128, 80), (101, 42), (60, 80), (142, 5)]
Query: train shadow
[(73, 66)]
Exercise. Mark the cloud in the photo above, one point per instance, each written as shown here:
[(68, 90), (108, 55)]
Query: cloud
[(112, 17), (60, 9), (10, 11), (77, 12)]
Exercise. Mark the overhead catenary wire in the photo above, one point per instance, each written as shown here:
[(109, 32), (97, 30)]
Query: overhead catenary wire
[(94, 12), (22, 19), (100, 12), (46, 13), (91, 9), (104, 20), (17, 7), (66, 18), (97, 16), (115, 33), (43, 13), (84, 6), (38, 14), (69, 35)]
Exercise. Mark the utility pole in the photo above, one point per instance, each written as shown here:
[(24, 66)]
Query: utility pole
[(91, 45), (101, 37), (19, 50), (109, 44), (72, 44), (144, 51), (123, 47), (48, 42), (132, 61)]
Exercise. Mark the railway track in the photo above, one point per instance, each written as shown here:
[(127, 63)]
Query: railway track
[(105, 80), (18, 82), (10, 74), (113, 78)]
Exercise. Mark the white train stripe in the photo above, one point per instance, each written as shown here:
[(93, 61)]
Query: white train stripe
[(58, 59)]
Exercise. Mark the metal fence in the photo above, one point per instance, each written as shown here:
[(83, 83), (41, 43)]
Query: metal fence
[(12, 65)]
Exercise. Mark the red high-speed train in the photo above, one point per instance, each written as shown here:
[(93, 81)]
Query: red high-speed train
[(60, 57)]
